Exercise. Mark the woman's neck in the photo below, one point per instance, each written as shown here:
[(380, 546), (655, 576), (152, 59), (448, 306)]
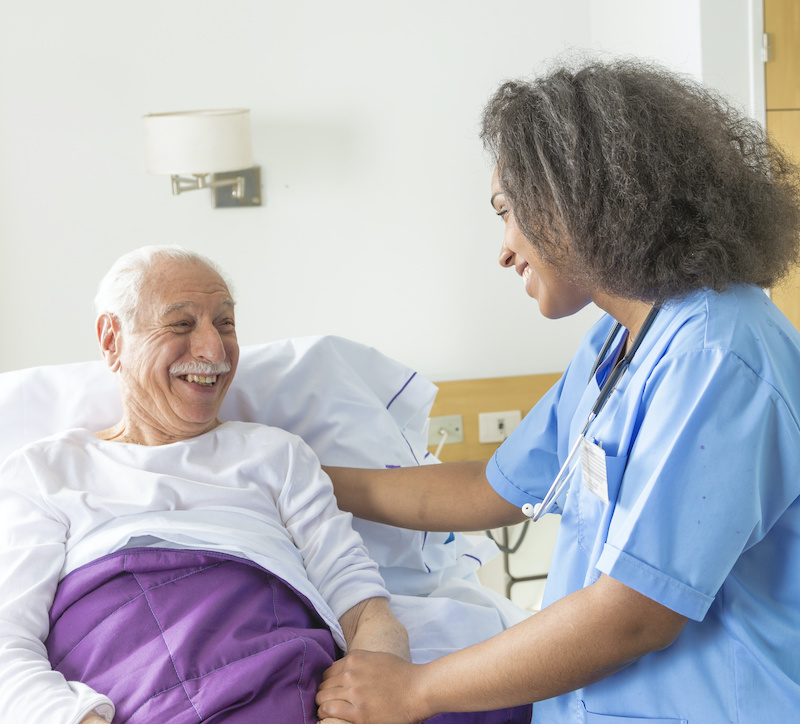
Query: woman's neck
[(629, 313)]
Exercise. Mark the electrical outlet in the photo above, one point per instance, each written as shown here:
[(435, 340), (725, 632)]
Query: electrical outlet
[(497, 426), (451, 424)]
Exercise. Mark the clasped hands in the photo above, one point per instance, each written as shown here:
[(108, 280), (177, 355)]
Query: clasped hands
[(368, 687)]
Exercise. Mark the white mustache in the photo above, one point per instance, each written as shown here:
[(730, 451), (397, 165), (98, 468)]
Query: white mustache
[(206, 369)]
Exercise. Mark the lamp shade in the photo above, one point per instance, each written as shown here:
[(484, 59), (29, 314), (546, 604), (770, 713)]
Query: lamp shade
[(198, 142)]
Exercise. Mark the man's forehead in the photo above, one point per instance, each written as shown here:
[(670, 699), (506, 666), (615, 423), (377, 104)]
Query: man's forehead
[(221, 301), (176, 284)]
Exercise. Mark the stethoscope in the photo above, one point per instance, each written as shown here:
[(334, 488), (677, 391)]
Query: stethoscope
[(537, 511)]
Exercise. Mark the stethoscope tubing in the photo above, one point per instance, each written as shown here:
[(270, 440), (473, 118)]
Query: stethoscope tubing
[(537, 511)]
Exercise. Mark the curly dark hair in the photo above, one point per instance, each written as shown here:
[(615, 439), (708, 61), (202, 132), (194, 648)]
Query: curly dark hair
[(643, 182)]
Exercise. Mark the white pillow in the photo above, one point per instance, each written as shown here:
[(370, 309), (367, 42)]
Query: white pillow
[(353, 405)]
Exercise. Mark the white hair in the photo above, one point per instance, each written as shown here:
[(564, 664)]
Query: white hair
[(119, 291)]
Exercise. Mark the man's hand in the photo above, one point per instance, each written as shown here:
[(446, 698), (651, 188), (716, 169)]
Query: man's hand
[(93, 719), (367, 687)]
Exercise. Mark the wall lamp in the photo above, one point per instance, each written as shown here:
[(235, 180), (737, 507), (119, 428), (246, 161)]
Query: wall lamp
[(209, 149)]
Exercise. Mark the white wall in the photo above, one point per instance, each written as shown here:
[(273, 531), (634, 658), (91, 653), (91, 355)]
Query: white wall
[(376, 223), (717, 41), (666, 31), (732, 32)]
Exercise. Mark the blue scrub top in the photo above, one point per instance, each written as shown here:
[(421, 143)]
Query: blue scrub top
[(702, 449)]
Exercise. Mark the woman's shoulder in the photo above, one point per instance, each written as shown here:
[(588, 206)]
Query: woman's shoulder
[(739, 329), (742, 320)]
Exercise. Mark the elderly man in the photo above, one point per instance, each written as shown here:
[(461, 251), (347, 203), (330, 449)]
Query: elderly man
[(173, 567)]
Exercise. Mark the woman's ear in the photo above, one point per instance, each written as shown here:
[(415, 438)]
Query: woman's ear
[(108, 335)]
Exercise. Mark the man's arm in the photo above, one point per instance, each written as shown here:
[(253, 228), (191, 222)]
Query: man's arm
[(578, 640), (371, 626), (446, 497)]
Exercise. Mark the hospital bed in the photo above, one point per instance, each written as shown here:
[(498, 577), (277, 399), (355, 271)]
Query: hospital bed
[(354, 407), (526, 549)]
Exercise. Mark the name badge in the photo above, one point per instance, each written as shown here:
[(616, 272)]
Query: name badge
[(593, 466)]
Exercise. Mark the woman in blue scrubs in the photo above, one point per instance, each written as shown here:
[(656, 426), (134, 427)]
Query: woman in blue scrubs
[(671, 445)]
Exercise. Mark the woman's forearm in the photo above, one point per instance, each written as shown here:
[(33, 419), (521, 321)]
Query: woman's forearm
[(446, 497), (581, 639), (584, 637)]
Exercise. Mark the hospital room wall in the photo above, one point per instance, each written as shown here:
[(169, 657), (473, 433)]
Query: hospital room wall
[(375, 223)]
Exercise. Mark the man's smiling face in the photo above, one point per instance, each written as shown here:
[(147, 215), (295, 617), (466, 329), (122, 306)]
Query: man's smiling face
[(177, 360)]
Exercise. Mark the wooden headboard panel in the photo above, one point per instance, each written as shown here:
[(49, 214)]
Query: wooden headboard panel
[(469, 398)]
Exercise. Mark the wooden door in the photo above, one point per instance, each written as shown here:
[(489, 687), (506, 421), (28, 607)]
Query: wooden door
[(782, 77)]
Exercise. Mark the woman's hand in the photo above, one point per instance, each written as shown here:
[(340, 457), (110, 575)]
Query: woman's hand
[(367, 687)]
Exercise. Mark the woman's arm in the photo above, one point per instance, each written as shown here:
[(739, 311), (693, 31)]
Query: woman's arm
[(581, 638), (446, 497)]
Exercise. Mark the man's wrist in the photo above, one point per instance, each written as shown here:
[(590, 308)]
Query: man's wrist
[(93, 718)]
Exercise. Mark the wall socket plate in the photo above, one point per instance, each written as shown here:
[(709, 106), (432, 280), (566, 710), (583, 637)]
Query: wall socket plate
[(497, 426), (452, 424)]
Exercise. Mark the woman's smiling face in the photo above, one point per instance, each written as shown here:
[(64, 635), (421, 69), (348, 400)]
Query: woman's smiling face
[(557, 297)]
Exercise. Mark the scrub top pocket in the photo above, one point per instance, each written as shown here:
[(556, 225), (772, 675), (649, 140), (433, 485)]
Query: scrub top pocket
[(594, 515), (591, 718), (609, 719)]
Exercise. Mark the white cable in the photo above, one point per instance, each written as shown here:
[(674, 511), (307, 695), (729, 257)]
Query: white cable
[(443, 433)]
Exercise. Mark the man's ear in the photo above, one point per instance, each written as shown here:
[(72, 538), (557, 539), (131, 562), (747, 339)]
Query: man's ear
[(108, 335)]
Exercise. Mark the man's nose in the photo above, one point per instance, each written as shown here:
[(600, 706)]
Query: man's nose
[(207, 344)]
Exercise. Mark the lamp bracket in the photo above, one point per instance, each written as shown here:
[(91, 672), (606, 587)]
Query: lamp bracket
[(247, 193), (229, 188)]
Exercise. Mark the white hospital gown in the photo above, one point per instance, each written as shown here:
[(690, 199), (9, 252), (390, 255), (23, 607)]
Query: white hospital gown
[(246, 489)]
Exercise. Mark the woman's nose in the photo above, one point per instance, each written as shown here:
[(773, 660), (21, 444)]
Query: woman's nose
[(506, 257)]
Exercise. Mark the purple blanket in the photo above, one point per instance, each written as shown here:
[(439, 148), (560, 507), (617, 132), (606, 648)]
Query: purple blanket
[(186, 636)]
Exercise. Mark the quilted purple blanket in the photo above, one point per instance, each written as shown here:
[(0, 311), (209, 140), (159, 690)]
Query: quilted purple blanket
[(184, 636)]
